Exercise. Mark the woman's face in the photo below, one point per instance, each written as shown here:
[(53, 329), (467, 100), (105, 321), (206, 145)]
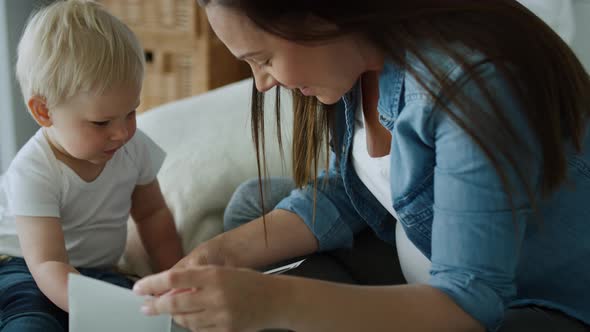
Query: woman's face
[(326, 71)]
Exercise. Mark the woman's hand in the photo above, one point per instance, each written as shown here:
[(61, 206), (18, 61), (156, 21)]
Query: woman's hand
[(208, 253), (215, 298), (255, 244)]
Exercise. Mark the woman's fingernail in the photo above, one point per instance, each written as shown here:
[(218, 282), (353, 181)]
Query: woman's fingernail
[(137, 289), (147, 310)]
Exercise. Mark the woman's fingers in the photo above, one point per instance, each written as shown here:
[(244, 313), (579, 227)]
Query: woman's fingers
[(174, 291), (218, 299), (181, 303), (164, 281)]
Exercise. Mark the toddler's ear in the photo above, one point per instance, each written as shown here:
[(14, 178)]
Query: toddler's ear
[(39, 111)]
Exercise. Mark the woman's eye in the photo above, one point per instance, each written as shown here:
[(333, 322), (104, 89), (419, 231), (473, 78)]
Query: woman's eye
[(100, 123), (264, 63), (131, 114)]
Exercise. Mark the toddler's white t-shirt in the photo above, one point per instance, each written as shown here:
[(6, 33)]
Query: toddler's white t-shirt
[(93, 214)]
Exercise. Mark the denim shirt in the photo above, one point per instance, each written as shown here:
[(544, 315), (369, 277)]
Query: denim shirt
[(452, 205)]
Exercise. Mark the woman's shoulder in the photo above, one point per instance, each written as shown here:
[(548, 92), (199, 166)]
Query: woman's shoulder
[(428, 68), (430, 64), (417, 82), (425, 67)]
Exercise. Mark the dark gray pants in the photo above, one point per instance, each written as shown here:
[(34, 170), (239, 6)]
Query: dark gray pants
[(371, 261)]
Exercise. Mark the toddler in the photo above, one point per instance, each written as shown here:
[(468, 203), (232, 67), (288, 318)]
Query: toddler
[(72, 187)]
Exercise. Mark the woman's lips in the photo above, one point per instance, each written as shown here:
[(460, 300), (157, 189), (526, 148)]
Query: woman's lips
[(306, 91)]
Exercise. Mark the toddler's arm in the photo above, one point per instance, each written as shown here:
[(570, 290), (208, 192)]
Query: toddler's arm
[(43, 247), (155, 226)]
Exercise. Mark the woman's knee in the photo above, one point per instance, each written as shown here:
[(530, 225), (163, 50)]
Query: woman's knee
[(245, 204)]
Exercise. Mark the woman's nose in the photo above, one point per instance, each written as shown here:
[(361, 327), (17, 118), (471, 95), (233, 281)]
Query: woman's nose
[(263, 80)]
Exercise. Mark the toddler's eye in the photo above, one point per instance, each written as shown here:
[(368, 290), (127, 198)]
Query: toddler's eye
[(100, 123)]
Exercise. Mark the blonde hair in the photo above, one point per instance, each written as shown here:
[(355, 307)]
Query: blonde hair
[(76, 46)]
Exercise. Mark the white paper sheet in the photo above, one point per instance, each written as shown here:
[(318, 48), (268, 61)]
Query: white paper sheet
[(284, 268), (97, 306)]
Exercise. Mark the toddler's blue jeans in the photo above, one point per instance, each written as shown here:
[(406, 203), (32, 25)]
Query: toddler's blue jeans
[(24, 308)]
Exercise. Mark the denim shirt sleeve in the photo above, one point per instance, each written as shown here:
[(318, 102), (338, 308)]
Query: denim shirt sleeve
[(475, 236), (336, 220)]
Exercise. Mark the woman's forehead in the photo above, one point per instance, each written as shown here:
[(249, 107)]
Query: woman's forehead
[(238, 32), (234, 29)]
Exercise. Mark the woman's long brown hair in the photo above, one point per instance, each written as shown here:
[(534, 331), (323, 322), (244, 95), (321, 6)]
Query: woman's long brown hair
[(541, 69)]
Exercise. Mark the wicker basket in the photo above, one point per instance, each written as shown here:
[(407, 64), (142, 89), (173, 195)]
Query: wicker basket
[(183, 57)]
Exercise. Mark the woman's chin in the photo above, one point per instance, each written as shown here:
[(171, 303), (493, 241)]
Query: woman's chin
[(328, 100)]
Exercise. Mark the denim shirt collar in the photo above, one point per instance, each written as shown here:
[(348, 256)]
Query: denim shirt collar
[(391, 87), (390, 91)]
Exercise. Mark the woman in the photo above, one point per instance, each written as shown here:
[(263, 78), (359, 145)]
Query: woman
[(465, 120)]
